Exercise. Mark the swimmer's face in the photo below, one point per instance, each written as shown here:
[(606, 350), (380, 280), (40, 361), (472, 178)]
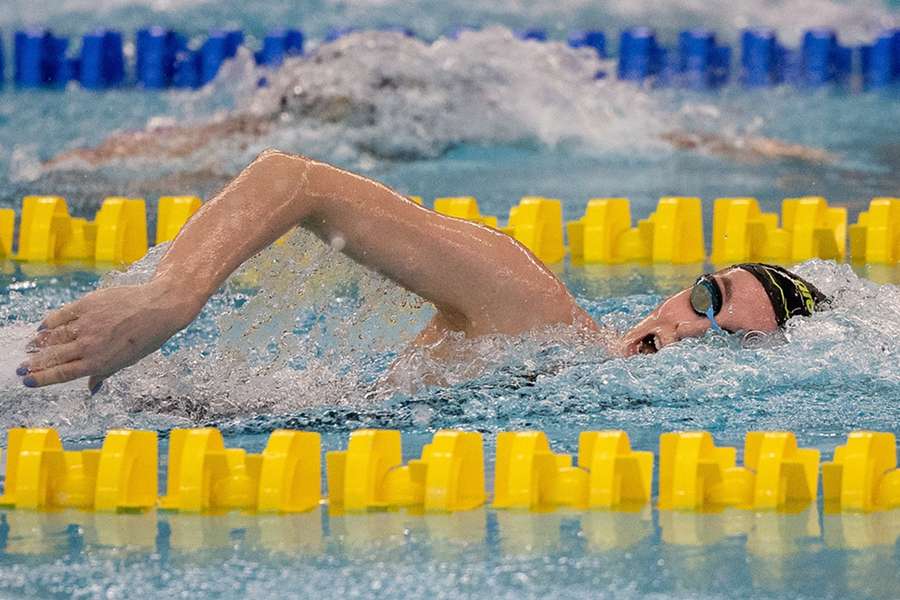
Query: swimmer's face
[(745, 307)]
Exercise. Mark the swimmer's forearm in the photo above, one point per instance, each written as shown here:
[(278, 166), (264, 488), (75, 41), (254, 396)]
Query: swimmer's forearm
[(255, 209), (473, 274)]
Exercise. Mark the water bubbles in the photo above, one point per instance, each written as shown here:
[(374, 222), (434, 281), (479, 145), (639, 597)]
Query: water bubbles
[(138, 272), (421, 415), (337, 242), (756, 340), (377, 97), (24, 163), (396, 97)]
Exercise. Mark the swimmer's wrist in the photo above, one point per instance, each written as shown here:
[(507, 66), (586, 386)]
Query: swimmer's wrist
[(182, 300)]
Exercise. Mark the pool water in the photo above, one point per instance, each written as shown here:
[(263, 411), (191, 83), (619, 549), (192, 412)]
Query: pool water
[(478, 554), (302, 338)]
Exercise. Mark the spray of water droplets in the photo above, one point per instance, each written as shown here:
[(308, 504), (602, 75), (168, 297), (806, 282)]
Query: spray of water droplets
[(303, 336), (371, 98)]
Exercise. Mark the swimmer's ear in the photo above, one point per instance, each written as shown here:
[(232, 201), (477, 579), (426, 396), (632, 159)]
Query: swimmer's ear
[(94, 384)]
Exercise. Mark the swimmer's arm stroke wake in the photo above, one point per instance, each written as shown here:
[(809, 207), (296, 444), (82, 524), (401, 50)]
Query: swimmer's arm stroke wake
[(481, 281)]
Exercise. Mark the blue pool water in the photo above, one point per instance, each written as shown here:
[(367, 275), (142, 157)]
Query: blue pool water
[(301, 338)]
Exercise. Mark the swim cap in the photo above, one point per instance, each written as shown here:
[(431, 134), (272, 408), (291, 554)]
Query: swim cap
[(790, 294)]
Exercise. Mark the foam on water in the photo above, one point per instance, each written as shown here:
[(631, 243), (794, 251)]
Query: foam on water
[(383, 96), (378, 97), (410, 99)]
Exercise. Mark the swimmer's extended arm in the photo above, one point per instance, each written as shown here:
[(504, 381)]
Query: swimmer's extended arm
[(480, 280)]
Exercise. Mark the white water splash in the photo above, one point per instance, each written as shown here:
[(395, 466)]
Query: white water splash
[(321, 332), (387, 96), (370, 99)]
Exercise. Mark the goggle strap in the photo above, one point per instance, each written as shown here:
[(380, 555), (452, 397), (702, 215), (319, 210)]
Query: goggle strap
[(712, 320)]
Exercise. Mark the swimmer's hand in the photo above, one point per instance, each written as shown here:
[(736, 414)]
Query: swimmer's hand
[(105, 331)]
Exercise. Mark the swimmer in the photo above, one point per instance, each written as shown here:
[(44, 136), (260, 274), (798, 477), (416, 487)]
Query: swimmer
[(180, 142), (479, 280), (408, 87)]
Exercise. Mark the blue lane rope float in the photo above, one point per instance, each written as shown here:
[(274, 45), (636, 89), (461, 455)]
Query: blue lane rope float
[(640, 57), (881, 60), (102, 62), (155, 60), (762, 58), (823, 59), (703, 63), (165, 58), (589, 39), (40, 59)]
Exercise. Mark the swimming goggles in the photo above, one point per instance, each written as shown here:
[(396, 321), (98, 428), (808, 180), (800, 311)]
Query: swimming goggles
[(706, 299)]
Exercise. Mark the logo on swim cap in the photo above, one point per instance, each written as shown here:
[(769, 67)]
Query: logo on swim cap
[(807, 296), (789, 294)]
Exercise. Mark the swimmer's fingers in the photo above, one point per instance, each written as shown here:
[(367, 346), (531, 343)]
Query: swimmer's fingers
[(52, 337), (58, 374), (59, 317), (53, 356)]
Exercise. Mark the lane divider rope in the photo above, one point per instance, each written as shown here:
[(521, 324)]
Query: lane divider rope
[(164, 58), (808, 227), (449, 476)]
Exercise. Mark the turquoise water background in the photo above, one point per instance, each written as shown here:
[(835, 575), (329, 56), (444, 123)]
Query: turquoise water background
[(306, 345)]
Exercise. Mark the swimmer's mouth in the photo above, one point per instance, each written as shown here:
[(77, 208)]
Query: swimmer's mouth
[(649, 344)]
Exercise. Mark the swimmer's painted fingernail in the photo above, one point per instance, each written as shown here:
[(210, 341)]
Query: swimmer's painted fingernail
[(41, 327), (96, 388), (22, 371), (29, 382)]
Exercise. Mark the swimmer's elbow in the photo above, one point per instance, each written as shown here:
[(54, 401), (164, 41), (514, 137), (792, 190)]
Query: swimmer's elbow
[(274, 156), (280, 166), (272, 153)]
